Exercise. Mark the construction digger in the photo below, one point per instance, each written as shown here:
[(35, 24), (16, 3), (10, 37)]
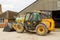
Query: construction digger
[(39, 22)]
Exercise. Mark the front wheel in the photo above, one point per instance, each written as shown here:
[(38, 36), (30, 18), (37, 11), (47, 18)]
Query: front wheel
[(19, 28), (41, 29)]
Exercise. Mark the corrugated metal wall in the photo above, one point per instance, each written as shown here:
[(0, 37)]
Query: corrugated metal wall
[(0, 9), (41, 5)]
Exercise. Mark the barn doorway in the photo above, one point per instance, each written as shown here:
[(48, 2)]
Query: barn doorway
[(56, 17)]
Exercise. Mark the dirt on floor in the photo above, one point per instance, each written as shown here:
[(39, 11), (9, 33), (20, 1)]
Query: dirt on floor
[(28, 36)]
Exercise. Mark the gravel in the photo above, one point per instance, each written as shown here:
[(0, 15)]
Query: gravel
[(28, 36)]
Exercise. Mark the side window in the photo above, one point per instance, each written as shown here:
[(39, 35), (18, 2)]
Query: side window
[(27, 16), (39, 17), (31, 17), (35, 16)]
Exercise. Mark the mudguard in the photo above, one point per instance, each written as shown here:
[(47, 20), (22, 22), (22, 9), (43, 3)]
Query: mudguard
[(49, 23)]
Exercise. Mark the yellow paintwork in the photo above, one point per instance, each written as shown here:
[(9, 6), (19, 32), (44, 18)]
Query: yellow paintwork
[(20, 20), (16, 27), (19, 27), (46, 22), (28, 23), (39, 29), (49, 23)]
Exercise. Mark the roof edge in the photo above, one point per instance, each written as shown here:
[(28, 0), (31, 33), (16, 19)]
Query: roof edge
[(27, 6)]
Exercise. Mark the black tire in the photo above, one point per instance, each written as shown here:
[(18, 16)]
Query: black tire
[(20, 28), (8, 28), (48, 31), (43, 29)]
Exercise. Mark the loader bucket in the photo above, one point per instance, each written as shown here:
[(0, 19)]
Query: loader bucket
[(8, 28)]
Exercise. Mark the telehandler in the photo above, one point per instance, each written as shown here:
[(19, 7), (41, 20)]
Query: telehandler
[(39, 22)]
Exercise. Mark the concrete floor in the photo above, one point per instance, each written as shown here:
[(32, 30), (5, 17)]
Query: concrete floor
[(27, 36)]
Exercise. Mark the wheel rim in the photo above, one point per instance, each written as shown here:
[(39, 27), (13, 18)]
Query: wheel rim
[(19, 27), (14, 26), (40, 29)]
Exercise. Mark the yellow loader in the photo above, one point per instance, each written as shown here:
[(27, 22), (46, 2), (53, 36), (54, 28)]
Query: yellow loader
[(39, 22)]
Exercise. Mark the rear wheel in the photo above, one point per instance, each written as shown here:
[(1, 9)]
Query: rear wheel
[(19, 28), (41, 29)]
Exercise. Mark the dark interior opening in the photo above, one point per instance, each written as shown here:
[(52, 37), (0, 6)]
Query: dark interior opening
[(56, 17)]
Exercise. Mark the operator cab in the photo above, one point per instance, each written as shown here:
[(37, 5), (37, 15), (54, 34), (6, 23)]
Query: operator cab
[(32, 19), (32, 16)]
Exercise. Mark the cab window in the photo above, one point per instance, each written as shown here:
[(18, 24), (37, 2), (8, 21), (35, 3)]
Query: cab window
[(27, 16), (35, 16)]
